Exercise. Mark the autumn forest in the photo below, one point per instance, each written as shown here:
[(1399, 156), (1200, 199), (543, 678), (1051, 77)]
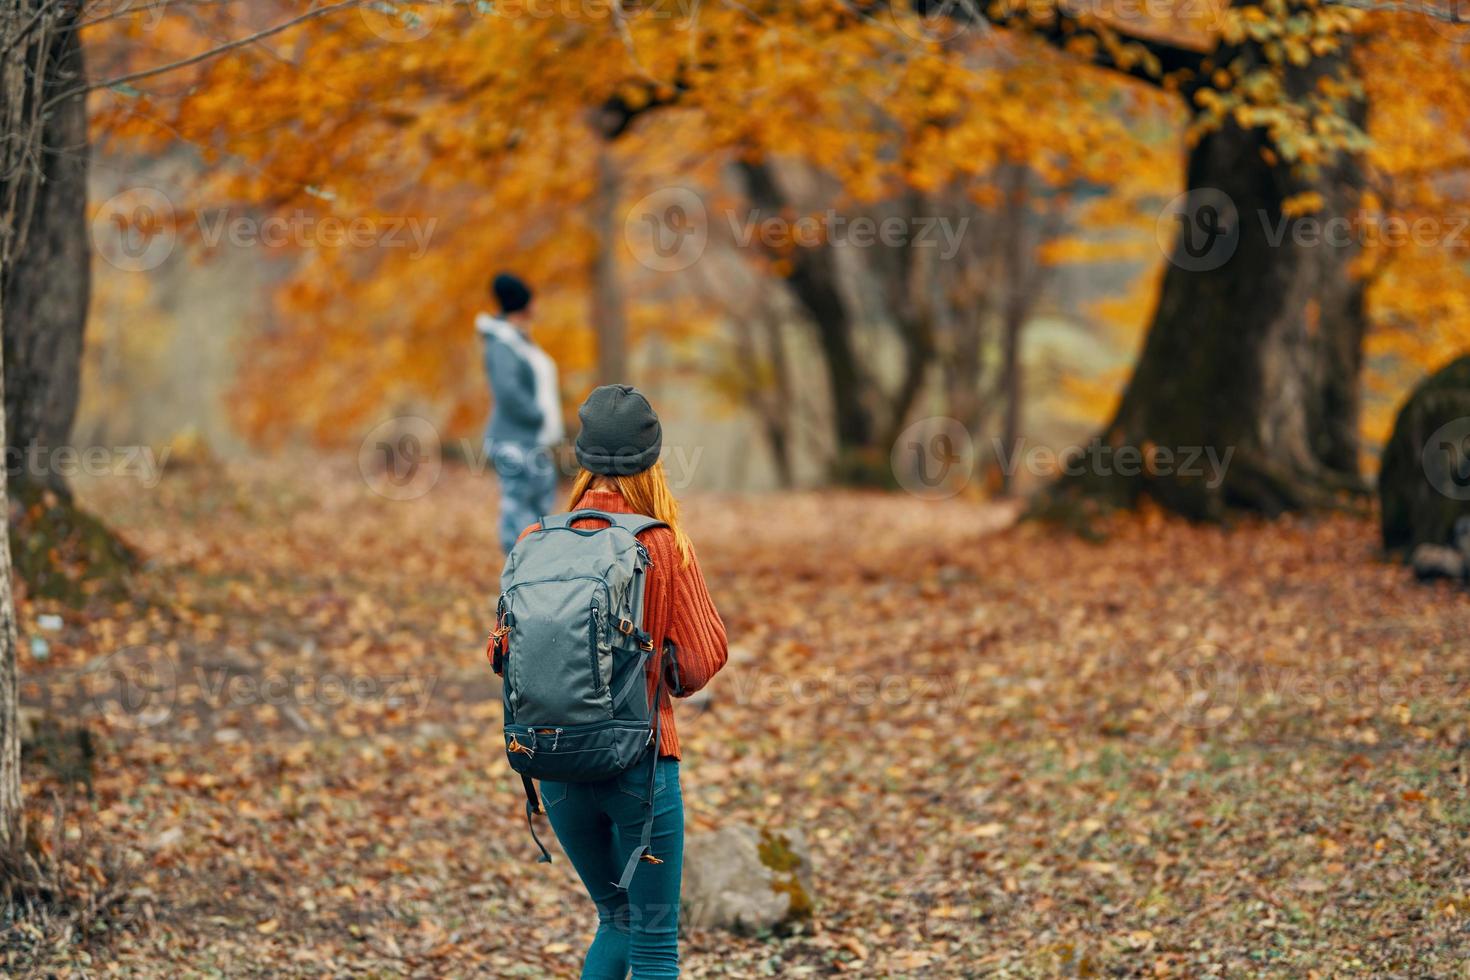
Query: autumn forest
[(1068, 404)]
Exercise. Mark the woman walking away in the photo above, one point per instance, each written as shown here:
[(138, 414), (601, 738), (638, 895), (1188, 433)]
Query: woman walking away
[(600, 823)]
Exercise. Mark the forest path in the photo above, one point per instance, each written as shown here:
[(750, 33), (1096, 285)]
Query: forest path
[(1186, 748)]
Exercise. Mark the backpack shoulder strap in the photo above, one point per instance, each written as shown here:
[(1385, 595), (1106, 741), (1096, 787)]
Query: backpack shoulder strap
[(634, 524)]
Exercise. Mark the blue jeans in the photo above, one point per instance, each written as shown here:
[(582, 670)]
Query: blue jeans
[(598, 825), (527, 488)]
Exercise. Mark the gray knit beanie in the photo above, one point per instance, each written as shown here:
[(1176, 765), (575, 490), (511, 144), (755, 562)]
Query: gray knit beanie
[(620, 432)]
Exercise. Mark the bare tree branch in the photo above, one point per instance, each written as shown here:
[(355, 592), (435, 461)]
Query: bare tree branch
[(206, 55)]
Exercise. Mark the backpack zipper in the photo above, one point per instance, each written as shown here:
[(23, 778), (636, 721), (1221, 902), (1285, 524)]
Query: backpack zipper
[(594, 631)]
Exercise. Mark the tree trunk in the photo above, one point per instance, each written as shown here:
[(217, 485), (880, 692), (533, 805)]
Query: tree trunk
[(49, 283), (1022, 282), (912, 303), (11, 812), (1010, 367), (40, 324), (1257, 356), (813, 281), (608, 317), (779, 422)]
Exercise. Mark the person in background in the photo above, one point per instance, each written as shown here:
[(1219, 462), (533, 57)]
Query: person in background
[(525, 411)]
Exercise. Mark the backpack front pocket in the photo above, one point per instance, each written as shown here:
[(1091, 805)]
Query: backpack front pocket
[(558, 674), (578, 754)]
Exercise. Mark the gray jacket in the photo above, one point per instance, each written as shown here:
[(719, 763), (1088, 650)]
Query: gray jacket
[(521, 412)]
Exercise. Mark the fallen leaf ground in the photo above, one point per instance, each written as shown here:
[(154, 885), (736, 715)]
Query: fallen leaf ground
[(1184, 751)]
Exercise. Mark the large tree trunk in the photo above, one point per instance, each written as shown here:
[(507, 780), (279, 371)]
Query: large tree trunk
[(1259, 355), (44, 289), (49, 283)]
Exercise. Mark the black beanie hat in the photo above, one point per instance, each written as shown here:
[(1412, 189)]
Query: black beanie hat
[(620, 432), (512, 294)]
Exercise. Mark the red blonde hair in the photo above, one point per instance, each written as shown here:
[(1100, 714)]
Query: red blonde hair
[(647, 492)]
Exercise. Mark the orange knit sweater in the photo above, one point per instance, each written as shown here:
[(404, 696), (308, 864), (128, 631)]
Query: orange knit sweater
[(676, 604)]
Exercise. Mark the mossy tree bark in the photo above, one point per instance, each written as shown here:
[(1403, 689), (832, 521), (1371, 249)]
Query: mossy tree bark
[(44, 283), (1259, 358)]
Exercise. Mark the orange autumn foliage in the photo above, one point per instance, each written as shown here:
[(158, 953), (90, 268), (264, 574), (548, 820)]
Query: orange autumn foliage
[(478, 119)]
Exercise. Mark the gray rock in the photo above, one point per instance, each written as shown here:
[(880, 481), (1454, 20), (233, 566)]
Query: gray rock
[(1422, 486), (1432, 561), (1462, 537), (746, 880), (28, 723)]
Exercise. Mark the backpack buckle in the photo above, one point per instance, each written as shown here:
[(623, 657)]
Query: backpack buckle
[(626, 627)]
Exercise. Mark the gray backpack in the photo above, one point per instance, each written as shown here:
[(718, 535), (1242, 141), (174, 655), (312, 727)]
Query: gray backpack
[(570, 646)]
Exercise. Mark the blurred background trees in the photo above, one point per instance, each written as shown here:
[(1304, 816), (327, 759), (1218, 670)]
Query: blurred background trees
[(479, 138)]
